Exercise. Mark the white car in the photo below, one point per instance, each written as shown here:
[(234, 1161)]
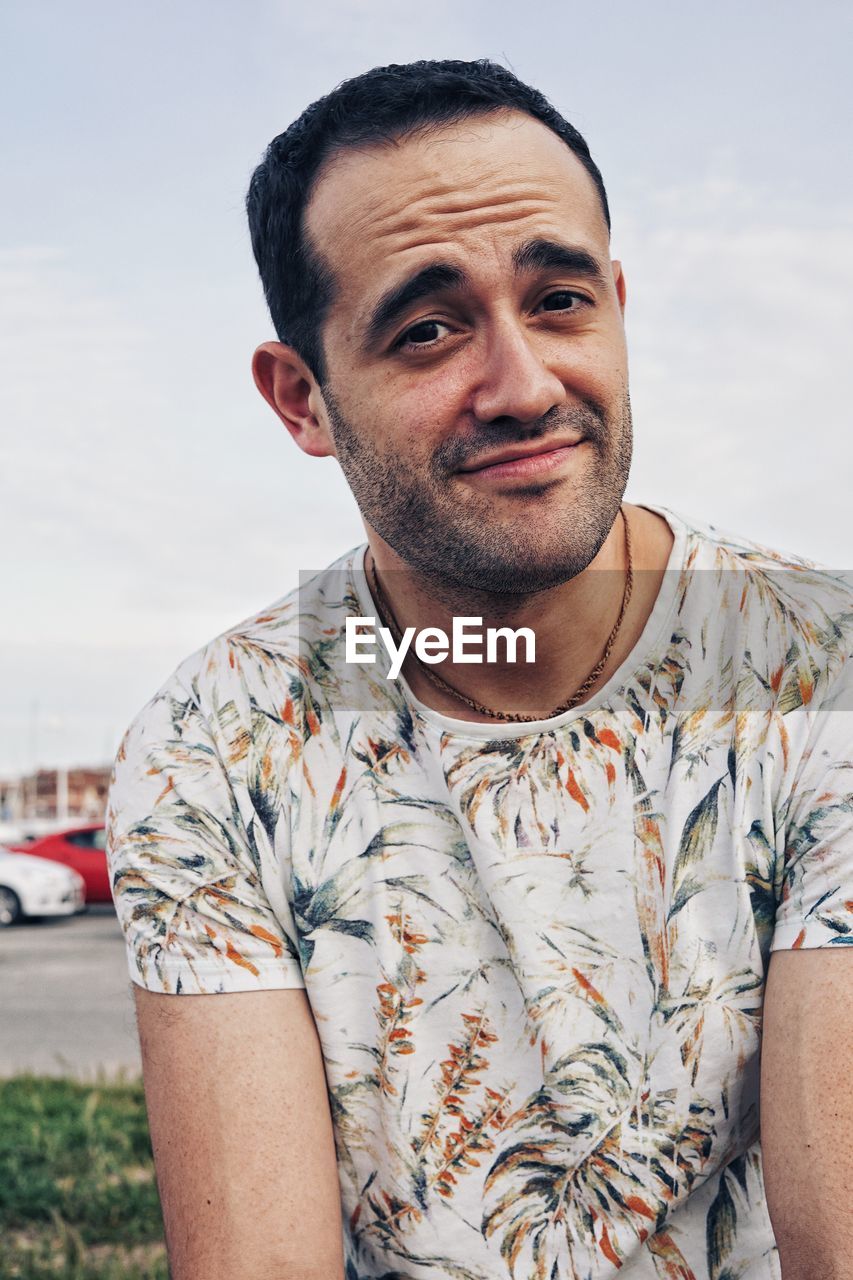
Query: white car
[(31, 886)]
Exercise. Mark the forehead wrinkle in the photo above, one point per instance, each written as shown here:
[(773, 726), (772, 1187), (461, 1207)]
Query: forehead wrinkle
[(430, 242), (458, 202), (440, 230), (485, 217), (468, 212), (435, 196)]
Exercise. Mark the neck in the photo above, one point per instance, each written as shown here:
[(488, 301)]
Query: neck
[(571, 623)]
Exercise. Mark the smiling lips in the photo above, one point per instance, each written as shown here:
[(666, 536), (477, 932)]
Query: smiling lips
[(524, 463)]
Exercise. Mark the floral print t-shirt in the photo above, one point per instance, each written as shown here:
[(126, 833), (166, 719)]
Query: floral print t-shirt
[(535, 953)]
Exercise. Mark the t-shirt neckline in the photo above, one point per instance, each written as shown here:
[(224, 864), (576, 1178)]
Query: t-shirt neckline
[(646, 644)]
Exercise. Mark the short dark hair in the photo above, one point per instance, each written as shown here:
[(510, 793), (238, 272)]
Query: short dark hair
[(379, 106)]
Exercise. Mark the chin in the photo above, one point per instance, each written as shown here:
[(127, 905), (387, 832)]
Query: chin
[(521, 575)]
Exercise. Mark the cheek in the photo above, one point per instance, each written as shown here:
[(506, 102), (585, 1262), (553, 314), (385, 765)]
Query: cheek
[(609, 359), (593, 372), (421, 409)]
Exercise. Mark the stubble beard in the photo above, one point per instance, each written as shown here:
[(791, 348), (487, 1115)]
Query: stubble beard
[(454, 538)]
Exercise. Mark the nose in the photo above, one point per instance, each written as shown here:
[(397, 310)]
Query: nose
[(516, 382)]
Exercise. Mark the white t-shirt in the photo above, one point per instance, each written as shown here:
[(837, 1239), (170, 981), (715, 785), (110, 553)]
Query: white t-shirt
[(535, 953)]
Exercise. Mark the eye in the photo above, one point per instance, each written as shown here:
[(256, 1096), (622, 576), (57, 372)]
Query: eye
[(423, 334), (564, 300)]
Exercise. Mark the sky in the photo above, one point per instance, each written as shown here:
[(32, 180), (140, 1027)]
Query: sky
[(149, 499)]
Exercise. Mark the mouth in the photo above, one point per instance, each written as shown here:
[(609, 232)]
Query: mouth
[(517, 461)]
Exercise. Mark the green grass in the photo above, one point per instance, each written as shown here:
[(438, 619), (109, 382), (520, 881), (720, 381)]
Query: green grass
[(78, 1198)]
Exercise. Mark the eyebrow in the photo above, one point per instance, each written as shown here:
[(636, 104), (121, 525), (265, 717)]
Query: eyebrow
[(544, 255), (438, 277)]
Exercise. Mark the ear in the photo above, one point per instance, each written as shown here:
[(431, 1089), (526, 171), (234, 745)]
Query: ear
[(619, 281), (290, 388)]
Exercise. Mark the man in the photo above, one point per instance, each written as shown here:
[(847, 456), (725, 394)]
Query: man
[(476, 959)]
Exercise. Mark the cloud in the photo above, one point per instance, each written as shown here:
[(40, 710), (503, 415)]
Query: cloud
[(127, 502), (739, 319)]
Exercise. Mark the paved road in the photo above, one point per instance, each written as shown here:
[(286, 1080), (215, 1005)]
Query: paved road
[(65, 1001)]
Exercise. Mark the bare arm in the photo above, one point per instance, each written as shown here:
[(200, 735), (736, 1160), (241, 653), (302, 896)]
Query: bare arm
[(807, 1110), (242, 1135)]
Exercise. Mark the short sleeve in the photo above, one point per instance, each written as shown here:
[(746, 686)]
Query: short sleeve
[(188, 859), (816, 900)]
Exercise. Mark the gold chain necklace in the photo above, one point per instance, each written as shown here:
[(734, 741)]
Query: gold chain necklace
[(388, 619)]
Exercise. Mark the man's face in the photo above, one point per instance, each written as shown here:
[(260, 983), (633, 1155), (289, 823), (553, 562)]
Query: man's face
[(476, 393)]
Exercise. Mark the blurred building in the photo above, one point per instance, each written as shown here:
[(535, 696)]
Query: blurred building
[(60, 795)]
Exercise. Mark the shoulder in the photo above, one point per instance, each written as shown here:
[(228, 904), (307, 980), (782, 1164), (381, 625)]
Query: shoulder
[(260, 667), (710, 545), (790, 618)]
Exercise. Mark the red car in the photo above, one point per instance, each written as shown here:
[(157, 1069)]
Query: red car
[(83, 849)]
